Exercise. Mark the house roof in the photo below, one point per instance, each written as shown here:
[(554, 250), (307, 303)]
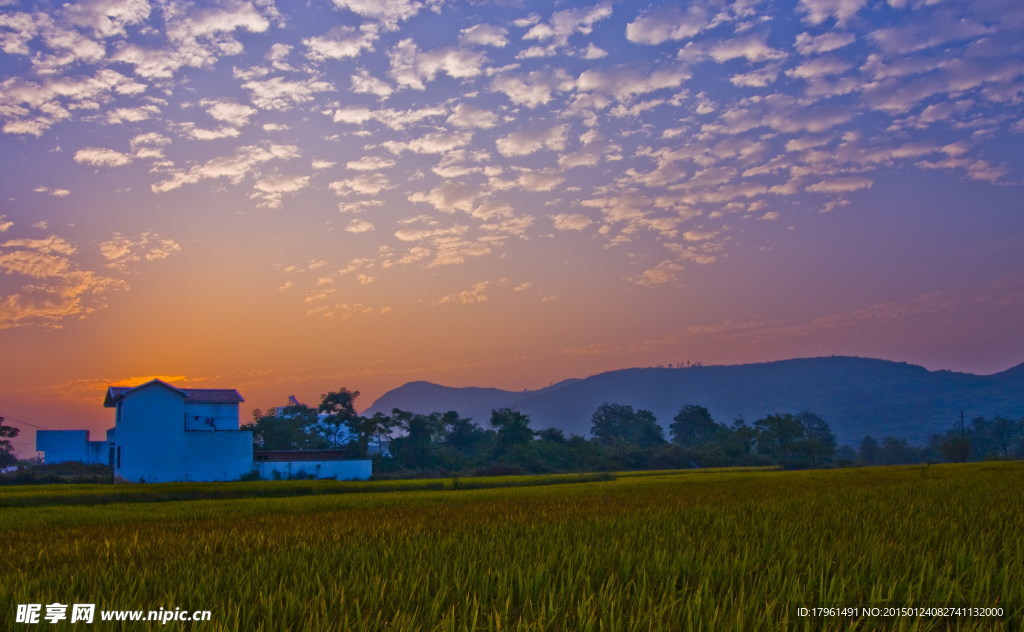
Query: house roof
[(206, 395)]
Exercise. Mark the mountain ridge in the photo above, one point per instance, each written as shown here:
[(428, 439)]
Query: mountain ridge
[(857, 396)]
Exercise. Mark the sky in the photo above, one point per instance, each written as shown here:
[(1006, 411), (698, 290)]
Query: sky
[(287, 198)]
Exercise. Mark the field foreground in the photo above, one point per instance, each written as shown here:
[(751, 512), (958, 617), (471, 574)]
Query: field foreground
[(688, 550)]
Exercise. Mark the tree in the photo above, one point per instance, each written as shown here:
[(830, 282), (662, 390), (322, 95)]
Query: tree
[(802, 440), (692, 426), (741, 438), (551, 435), (417, 449), (776, 435), (7, 457), (380, 427), (868, 451), (613, 424), (818, 445), (286, 428), (343, 424), (893, 451), (513, 428)]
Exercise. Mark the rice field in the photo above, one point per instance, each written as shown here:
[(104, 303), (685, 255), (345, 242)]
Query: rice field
[(685, 550)]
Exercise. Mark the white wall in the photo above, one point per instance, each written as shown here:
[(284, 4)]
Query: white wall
[(63, 445), (358, 470), (150, 435), (211, 416), (216, 456)]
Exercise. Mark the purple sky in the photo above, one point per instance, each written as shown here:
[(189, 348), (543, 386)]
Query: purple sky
[(286, 198)]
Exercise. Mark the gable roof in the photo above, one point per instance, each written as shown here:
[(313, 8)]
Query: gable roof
[(206, 395)]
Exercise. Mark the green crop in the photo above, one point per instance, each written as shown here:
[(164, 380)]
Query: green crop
[(729, 550)]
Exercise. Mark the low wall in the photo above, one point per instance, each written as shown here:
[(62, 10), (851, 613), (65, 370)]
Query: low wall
[(359, 470)]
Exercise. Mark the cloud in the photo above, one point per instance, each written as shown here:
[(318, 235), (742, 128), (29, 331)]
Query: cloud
[(563, 24), (841, 185), (234, 167), (540, 180), (410, 67), (625, 83), (667, 23), (363, 183), (477, 293), (121, 251), (271, 189), (819, 11), (150, 139), (468, 116), (751, 47), (281, 94), (388, 12), (437, 142), (534, 88), (58, 288), (359, 226), (484, 35), (665, 272), (31, 108), (449, 197), (101, 157), (231, 112), (341, 42), (107, 18), (533, 139), (369, 163), (199, 133), (819, 67), (364, 83), (571, 221), (807, 44)]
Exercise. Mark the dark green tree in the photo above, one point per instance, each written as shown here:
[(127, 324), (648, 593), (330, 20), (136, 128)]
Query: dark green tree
[(893, 451), (867, 452), (464, 444), (818, 445), (286, 428), (417, 449), (693, 425), (340, 422), (381, 426), (802, 440), (7, 456), (613, 424), (552, 435), (513, 428)]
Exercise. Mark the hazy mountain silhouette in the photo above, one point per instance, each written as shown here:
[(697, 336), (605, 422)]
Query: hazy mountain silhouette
[(857, 396)]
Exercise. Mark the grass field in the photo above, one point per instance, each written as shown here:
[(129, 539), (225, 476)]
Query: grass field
[(691, 550)]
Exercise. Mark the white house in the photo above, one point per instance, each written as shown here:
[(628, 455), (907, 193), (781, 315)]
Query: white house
[(72, 445), (164, 433)]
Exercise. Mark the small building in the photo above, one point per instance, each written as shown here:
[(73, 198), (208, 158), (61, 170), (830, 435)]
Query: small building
[(163, 433), (72, 445), (275, 464)]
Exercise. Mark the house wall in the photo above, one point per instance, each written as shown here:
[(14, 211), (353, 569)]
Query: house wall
[(355, 470), (59, 446), (211, 416), (150, 435), (154, 443), (216, 456)]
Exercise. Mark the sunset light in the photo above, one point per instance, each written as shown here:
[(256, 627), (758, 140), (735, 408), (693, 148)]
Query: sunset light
[(290, 198)]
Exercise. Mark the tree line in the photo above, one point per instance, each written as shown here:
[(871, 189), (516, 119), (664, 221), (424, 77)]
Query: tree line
[(621, 437), (982, 439)]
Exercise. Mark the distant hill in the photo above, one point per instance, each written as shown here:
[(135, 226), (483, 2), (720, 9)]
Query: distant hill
[(857, 396)]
